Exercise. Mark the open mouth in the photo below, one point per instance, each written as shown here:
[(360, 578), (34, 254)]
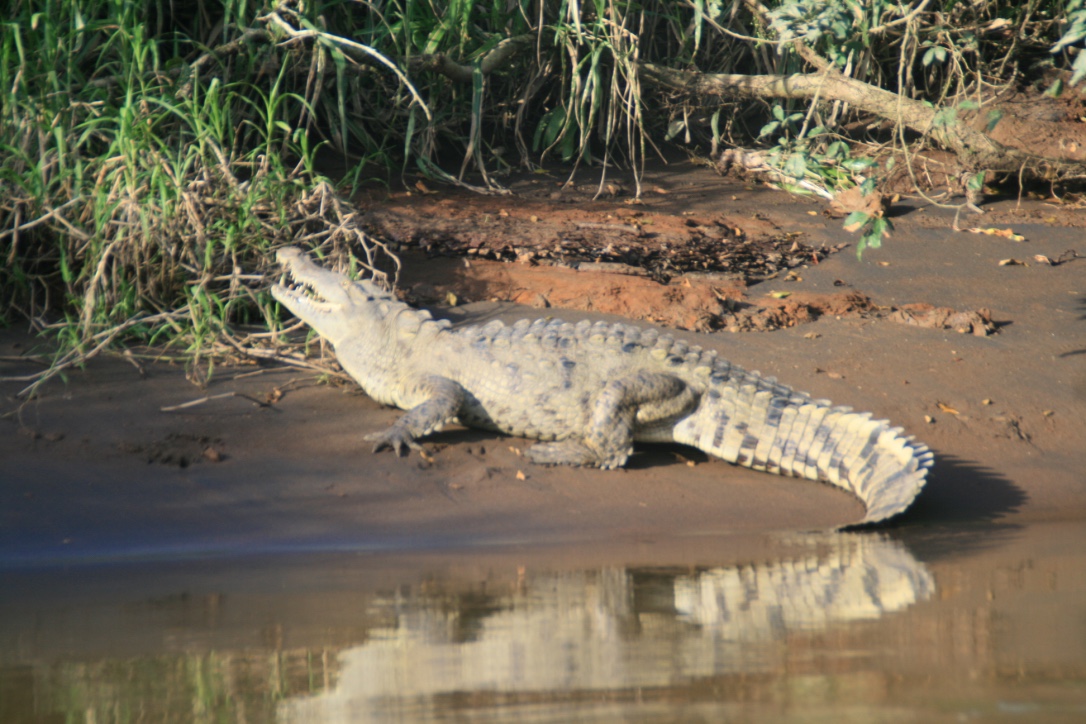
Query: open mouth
[(297, 288), (308, 286)]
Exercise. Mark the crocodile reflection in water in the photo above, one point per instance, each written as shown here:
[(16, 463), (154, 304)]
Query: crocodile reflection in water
[(615, 628)]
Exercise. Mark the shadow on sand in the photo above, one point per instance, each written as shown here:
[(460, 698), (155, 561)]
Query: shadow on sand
[(1082, 317)]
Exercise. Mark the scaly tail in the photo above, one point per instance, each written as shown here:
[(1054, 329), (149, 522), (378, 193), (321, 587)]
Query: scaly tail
[(756, 422)]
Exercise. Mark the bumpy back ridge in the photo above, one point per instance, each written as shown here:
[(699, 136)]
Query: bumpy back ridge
[(755, 421)]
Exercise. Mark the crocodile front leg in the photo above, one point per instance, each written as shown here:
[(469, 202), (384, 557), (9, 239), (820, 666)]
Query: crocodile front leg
[(442, 403), (641, 401)]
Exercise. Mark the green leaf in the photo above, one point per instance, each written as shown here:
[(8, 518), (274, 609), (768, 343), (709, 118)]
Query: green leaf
[(858, 164), (993, 118), (675, 128), (550, 125), (1072, 36), (1079, 68), (976, 181), (768, 129), (856, 219), (838, 150), (968, 106), (796, 166), (945, 118), (860, 248)]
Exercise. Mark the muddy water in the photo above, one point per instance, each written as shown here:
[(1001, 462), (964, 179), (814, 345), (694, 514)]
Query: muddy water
[(948, 624)]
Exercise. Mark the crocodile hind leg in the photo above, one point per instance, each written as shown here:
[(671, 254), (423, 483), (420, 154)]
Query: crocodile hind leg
[(641, 401), (442, 400)]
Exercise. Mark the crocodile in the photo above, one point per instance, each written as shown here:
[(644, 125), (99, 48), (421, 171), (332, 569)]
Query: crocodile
[(588, 391)]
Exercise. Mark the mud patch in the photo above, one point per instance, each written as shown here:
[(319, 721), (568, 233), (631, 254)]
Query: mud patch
[(658, 245), (564, 249), (978, 323), (692, 302), (702, 303), (177, 450)]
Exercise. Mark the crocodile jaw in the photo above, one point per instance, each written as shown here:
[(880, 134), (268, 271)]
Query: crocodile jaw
[(320, 298)]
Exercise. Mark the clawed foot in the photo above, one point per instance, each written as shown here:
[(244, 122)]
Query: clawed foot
[(395, 439), (573, 452)]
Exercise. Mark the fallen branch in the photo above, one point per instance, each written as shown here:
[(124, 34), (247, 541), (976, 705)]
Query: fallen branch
[(202, 400), (462, 72), (975, 149)]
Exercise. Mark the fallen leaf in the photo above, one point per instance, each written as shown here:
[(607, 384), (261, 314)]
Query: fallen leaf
[(929, 419), (1048, 413), (854, 226), (812, 335), (812, 213), (503, 213), (533, 218), (780, 295), (661, 190), (1004, 233), (1042, 259), (873, 205), (835, 375), (424, 189), (515, 450), (451, 299), (986, 401), (792, 277), (947, 408), (883, 263), (521, 475), (1011, 262)]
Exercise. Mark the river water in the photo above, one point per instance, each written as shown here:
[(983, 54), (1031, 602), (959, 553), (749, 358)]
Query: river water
[(917, 624)]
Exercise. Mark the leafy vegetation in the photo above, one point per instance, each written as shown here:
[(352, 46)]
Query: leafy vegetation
[(151, 154)]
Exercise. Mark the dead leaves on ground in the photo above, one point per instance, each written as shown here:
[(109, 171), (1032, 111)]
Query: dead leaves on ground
[(849, 201), (1003, 233), (1069, 255)]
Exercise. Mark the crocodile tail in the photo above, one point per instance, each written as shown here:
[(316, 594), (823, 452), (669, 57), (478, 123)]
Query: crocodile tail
[(756, 422)]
